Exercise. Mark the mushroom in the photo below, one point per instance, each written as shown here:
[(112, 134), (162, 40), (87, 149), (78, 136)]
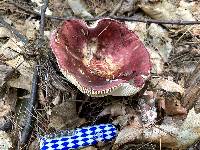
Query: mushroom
[(105, 58)]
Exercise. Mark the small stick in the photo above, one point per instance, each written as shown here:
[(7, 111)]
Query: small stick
[(25, 134), (42, 19), (42, 25), (177, 22)]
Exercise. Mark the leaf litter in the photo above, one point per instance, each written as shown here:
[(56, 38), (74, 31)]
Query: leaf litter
[(165, 114)]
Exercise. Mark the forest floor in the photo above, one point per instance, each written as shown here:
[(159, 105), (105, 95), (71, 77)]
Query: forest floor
[(36, 99)]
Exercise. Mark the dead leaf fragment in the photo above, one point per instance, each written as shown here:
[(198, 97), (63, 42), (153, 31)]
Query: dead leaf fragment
[(4, 109), (157, 43), (28, 28), (11, 50), (129, 133), (79, 8), (7, 102), (173, 106), (4, 70), (123, 113), (190, 130), (166, 10), (176, 134), (139, 28), (64, 116), (114, 110), (159, 46), (160, 41), (4, 32), (192, 93), (128, 6), (168, 86)]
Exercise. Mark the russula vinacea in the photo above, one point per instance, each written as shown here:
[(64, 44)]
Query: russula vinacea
[(105, 58)]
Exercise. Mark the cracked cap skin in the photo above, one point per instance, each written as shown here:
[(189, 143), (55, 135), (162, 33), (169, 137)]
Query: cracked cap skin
[(105, 58)]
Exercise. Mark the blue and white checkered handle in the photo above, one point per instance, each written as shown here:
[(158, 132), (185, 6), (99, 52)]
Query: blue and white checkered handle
[(80, 137)]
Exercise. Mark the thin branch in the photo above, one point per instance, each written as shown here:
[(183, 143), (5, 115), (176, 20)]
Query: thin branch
[(177, 22), (40, 40), (42, 19), (25, 134)]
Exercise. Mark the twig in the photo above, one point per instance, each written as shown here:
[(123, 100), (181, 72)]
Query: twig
[(177, 22), (42, 19), (116, 8), (25, 134), (42, 25), (14, 31)]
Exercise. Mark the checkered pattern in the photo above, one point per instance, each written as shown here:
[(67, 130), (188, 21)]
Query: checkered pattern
[(80, 137)]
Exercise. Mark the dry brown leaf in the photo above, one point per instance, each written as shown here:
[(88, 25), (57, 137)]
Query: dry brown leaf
[(167, 85), (100, 7), (7, 102), (176, 134), (79, 8), (126, 135), (34, 145), (129, 133), (23, 82), (29, 28), (41, 98), (124, 120), (65, 116), (4, 32), (10, 51), (160, 47), (117, 109), (60, 8), (196, 30), (185, 67), (4, 70), (128, 6), (158, 43), (4, 109), (38, 2), (157, 62), (190, 130), (123, 113), (195, 7), (139, 28), (166, 10), (192, 93), (172, 106)]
